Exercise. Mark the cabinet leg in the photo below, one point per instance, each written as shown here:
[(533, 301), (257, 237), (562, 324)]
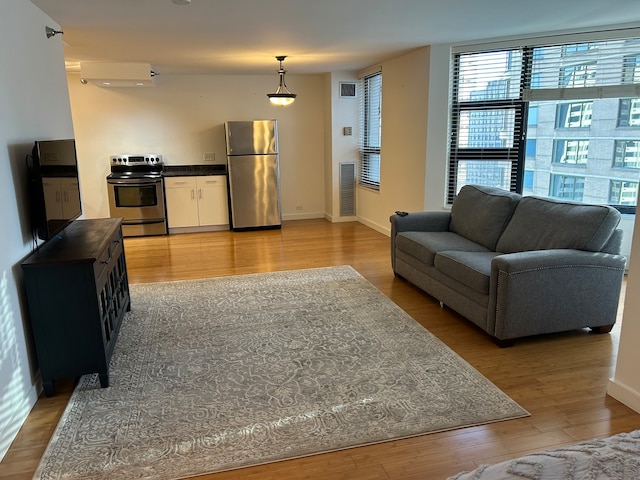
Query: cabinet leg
[(49, 388), (104, 379)]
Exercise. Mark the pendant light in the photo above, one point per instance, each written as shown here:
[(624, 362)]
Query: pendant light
[(282, 96)]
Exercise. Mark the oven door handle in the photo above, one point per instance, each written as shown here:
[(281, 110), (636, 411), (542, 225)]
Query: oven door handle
[(134, 181)]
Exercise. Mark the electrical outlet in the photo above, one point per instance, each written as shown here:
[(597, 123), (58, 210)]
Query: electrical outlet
[(299, 207), (209, 157), (347, 131)]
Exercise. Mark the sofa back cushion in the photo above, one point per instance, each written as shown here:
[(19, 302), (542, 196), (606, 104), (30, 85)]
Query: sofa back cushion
[(481, 213), (543, 223)]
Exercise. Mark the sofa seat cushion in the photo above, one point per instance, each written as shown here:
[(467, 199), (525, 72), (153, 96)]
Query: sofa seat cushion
[(424, 245), (542, 224), (472, 269), (482, 213)]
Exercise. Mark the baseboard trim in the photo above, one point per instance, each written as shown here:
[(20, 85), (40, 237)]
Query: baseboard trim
[(302, 216), (624, 394), (204, 228), (384, 230)]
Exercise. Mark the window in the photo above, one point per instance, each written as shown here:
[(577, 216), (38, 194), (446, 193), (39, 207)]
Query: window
[(629, 112), (566, 187), (487, 117), (529, 118), (631, 69), (627, 154), (532, 119), (528, 180), (532, 145), (574, 115), (623, 193), (577, 48), (578, 75), (571, 152), (371, 131)]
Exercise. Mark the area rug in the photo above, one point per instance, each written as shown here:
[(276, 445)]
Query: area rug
[(217, 374)]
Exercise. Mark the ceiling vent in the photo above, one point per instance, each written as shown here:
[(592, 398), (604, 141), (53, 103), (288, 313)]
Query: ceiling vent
[(117, 74)]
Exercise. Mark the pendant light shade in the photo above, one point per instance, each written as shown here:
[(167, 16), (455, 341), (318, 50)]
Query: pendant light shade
[(282, 95)]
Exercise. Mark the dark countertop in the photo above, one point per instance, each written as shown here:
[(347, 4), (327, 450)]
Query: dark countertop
[(194, 170)]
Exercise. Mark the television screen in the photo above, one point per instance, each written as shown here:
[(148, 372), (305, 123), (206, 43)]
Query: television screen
[(55, 187)]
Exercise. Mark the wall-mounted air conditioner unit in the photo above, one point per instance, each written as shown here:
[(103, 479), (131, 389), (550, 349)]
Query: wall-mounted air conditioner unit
[(117, 74)]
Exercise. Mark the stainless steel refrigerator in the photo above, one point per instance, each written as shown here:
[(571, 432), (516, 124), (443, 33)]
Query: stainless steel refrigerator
[(254, 174)]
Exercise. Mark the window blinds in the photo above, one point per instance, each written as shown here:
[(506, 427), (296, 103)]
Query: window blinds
[(486, 119), (371, 130), (603, 69), (491, 89)]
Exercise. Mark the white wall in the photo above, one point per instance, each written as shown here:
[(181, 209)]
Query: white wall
[(405, 94), (340, 113), (35, 106), (625, 386), (437, 128), (183, 116)]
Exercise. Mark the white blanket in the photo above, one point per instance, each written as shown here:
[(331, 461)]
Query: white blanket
[(616, 458)]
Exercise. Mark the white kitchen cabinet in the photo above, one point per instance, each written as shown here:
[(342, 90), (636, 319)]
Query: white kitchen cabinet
[(196, 203), (61, 196)]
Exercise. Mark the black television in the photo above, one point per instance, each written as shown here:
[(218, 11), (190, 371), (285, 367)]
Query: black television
[(54, 187)]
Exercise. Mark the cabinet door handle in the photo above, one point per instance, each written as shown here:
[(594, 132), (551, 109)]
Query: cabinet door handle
[(199, 193), (193, 194)]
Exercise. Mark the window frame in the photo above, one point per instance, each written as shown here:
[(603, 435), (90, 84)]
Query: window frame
[(459, 154), (563, 176), (584, 85), (370, 131)]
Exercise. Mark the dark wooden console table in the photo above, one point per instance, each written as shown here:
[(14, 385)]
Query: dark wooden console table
[(78, 292)]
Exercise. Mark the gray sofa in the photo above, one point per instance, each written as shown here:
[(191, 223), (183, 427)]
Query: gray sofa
[(515, 266)]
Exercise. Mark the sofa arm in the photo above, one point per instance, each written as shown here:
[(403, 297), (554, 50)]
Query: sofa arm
[(547, 291), (421, 222), (417, 222)]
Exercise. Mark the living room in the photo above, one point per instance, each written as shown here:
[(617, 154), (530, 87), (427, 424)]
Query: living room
[(62, 107)]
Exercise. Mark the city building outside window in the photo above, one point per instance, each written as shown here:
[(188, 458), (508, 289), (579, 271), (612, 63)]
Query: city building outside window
[(567, 187), (627, 154), (571, 152), (574, 115), (549, 120)]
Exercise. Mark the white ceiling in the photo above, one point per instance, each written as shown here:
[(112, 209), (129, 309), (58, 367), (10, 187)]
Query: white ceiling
[(244, 36)]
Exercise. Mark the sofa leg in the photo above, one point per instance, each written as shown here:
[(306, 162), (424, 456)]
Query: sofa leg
[(504, 343), (602, 328)]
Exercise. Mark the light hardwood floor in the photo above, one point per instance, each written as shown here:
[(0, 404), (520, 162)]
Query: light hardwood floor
[(560, 379)]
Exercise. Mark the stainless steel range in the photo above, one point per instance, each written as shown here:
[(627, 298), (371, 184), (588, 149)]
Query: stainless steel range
[(136, 194)]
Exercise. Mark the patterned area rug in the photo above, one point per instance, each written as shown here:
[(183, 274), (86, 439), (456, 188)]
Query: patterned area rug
[(222, 373)]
